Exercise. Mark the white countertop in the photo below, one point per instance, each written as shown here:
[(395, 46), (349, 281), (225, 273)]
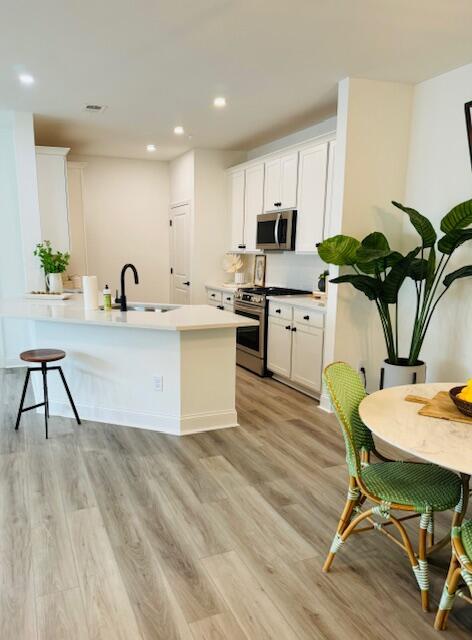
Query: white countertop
[(180, 318), (304, 301), (231, 287)]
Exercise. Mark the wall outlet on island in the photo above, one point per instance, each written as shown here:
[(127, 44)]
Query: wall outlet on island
[(157, 380)]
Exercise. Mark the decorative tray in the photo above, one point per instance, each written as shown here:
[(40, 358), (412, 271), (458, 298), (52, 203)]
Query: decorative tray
[(44, 295)]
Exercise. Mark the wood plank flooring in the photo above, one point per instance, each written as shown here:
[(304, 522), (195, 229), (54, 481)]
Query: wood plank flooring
[(109, 533)]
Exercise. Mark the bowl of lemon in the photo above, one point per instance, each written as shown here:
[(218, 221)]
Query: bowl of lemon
[(462, 398)]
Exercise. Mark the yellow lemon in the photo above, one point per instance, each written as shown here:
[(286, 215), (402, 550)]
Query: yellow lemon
[(465, 394)]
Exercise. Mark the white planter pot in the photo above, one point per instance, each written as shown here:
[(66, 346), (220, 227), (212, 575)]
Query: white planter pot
[(54, 282), (394, 375)]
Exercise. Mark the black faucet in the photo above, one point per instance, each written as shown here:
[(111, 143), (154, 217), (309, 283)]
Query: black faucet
[(122, 298)]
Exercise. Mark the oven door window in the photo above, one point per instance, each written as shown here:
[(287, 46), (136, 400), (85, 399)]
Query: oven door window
[(249, 337)]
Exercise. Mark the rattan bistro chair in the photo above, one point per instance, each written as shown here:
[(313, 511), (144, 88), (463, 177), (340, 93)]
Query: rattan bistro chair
[(417, 488), (461, 565)]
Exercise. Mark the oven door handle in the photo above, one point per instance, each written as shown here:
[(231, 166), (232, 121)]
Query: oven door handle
[(276, 229)]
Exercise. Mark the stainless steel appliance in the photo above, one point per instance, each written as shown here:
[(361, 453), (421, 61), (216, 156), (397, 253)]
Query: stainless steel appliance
[(251, 342), (276, 231)]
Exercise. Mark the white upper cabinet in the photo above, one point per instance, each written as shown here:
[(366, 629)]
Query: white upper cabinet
[(311, 197), (280, 185), (51, 174), (253, 202), (236, 180)]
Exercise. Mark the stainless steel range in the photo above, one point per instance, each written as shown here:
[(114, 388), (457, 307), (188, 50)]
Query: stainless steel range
[(251, 342)]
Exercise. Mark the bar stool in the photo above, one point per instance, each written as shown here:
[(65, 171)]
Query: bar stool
[(43, 356)]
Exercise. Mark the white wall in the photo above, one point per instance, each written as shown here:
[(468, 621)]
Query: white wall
[(439, 177), (126, 212), (370, 170), (182, 178)]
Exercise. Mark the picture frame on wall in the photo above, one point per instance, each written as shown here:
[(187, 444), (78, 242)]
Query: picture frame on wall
[(259, 271), (468, 122)]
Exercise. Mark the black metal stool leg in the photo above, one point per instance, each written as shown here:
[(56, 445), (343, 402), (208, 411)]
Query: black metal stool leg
[(23, 395), (44, 371), (69, 396)]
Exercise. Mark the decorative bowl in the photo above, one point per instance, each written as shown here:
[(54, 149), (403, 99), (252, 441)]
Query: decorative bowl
[(463, 406)]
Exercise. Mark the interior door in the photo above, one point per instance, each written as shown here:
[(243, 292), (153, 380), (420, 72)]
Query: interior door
[(180, 284)]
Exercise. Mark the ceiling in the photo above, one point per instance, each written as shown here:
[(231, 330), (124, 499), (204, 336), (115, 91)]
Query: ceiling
[(159, 63)]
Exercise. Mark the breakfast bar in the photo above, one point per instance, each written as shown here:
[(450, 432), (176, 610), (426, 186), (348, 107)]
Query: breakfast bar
[(161, 367)]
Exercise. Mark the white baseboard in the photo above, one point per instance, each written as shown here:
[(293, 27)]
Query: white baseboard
[(172, 425)]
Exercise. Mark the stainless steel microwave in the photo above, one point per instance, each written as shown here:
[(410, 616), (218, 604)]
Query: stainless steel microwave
[(276, 231)]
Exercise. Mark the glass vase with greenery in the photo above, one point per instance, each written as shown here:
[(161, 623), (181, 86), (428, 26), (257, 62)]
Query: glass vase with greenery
[(51, 262), (379, 272)]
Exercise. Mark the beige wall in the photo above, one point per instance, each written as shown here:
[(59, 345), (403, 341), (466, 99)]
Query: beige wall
[(370, 170), (439, 177), (126, 220)]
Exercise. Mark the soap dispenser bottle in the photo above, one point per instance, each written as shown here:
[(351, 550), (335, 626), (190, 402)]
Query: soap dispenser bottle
[(106, 299)]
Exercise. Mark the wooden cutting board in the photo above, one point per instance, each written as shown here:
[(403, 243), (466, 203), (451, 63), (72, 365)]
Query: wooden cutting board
[(441, 406)]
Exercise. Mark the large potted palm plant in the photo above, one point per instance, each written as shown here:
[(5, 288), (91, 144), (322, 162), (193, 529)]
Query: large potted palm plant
[(379, 272)]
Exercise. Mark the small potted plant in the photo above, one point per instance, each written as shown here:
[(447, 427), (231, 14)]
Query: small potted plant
[(54, 264), (322, 280)]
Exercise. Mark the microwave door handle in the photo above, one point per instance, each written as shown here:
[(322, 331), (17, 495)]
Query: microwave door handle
[(276, 230)]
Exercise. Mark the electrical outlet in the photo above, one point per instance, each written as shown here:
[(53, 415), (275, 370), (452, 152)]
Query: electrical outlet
[(157, 383)]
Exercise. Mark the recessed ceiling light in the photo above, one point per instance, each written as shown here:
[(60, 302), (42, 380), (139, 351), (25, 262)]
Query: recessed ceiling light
[(219, 102), (26, 78), (151, 147), (179, 130)]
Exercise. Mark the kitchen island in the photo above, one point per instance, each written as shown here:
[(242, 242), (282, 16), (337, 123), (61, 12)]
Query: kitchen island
[(167, 368)]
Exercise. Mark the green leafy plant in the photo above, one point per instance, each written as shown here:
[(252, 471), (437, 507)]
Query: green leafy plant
[(51, 262), (379, 272)]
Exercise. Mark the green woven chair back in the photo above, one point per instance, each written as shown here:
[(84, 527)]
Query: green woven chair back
[(346, 391)]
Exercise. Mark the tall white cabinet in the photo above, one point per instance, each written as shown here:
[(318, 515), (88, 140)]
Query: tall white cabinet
[(312, 172), (51, 170)]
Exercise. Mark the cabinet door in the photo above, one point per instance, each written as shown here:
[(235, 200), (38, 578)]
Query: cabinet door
[(236, 207), (279, 346), (288, 180), (253, 202), (52, 193), (328, 223), (311, 197), (307, 356), (272, 195)]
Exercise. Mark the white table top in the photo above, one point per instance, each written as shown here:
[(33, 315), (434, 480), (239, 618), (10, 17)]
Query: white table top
[(182, 318), (396, 421)]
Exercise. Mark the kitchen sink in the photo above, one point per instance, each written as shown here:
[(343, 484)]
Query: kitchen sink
[(152, 308)]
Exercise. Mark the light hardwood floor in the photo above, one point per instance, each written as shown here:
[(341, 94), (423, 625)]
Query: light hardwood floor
[(109, 533)]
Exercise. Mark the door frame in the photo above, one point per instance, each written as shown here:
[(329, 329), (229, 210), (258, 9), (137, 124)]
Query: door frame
[(176, 205)]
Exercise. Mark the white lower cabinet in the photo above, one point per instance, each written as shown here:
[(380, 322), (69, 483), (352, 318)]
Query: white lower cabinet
[(307, 356), (295, 349), (279, 346)]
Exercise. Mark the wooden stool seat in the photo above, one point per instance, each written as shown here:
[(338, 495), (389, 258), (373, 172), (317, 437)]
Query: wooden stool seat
[(42, 355)]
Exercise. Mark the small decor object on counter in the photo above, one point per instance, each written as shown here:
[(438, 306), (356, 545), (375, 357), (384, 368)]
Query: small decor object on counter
[(322, 281), (379, 272), (106, 299), (468, 121), (53, 264), (90, 287), (234, 263), (259, 271)]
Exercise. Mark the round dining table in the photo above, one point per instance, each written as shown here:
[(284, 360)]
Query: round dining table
[(397, 421)]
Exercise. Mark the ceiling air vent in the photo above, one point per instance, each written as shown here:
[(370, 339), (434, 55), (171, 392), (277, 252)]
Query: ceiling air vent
[(94, 108)]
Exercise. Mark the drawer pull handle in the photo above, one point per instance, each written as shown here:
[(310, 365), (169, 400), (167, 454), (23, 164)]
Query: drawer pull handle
[(288, 327), (294, 328), (220, 307), (213, 295), (278, 311), (306, 317)]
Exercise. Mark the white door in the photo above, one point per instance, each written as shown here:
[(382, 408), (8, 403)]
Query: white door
[(279, 346), (272, 185), (288, 180), (311, 197), (236, 181), (180, 254), (253, 203), (307, 356)]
